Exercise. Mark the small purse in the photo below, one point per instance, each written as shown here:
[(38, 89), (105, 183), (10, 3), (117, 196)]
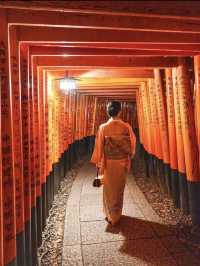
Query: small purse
[(97, 181)]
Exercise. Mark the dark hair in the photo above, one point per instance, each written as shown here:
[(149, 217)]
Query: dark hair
[(113, 108)]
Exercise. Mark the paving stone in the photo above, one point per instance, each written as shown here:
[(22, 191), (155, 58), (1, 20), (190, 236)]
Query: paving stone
[(132, 210), (95, 212), (163, 229), (72, 226), (91, 213), (90, 189), (72, 256), (173, 244), (90, 199), (163, 262), (186, 259), (128, 228), (133, 252)]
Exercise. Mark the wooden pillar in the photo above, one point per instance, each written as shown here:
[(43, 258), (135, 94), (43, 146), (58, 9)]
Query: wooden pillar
[(17, 140), (197, 97), (161, 107), (172, 137), (146, 128), (25, 106), (8, 185), (155, 133), (42, 148), (33, 164), (1, 198), (183, 189), (189, 139)]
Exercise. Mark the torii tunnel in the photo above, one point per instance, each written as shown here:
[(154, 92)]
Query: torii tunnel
[(61, 62)]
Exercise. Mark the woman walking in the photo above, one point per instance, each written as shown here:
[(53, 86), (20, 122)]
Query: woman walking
[(114, 148)]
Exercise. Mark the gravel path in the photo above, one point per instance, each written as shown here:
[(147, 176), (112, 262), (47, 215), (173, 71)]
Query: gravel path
[(50, 252), (163, 205)]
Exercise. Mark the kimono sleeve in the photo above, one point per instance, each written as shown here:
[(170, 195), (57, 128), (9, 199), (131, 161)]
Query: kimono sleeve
[(98, 152), (132, 139)]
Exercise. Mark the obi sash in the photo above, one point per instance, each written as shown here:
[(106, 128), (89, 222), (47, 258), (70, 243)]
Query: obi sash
[(117, 147)]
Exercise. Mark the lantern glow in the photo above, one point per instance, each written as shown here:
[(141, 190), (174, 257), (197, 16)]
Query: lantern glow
[(67, 84)]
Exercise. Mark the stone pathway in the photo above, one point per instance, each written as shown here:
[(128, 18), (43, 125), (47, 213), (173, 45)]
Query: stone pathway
[(140, 239)]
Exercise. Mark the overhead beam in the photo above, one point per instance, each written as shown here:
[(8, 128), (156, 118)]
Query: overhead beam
[(183, 9), (107, 93), (146, 62), (92, 20), (73, 51), (127, 46), (115, 73), (50, 34)]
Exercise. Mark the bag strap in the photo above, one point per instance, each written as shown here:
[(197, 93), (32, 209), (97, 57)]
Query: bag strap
[(97, 173)]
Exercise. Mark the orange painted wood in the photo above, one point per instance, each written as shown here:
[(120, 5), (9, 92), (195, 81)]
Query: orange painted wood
[(158, 141), (127, 45), (184, 9), (178, 126), (25, 106), (92, 20), (8, 186), (70, 119), (36, 114), (1, 191), (115, 73), (49, 119), (32, 136), (42, 128), (152, 117), (73, 51), (187, 122), (47, 140), (146, 117), (171, 120), (197, 97), (141, 119), (147, 62), (17, 129), (162, 115), (66, 121), (44, 34)]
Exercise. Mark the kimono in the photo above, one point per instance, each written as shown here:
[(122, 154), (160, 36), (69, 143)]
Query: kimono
[(114, 170)]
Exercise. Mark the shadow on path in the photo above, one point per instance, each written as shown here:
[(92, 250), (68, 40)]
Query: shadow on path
[(142, 238)]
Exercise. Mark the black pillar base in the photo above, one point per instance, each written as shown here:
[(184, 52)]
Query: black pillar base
[(44, 204), (51, 187), (183, 187), (56, 173), (62, 166), (167, 171), (161, 174), (21, 255), (194, 201), (175, 188), (28, 243), (39, 220), (34, 235), (12, 263)]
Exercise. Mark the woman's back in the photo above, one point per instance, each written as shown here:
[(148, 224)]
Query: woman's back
[(115, 127)]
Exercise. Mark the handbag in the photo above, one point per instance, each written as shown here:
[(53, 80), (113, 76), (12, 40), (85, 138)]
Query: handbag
[(97, 181)]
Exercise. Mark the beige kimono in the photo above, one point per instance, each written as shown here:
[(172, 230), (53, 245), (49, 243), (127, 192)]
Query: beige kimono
[(114, 171)]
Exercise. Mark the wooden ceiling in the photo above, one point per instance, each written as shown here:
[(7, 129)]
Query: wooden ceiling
[(112, 46)]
